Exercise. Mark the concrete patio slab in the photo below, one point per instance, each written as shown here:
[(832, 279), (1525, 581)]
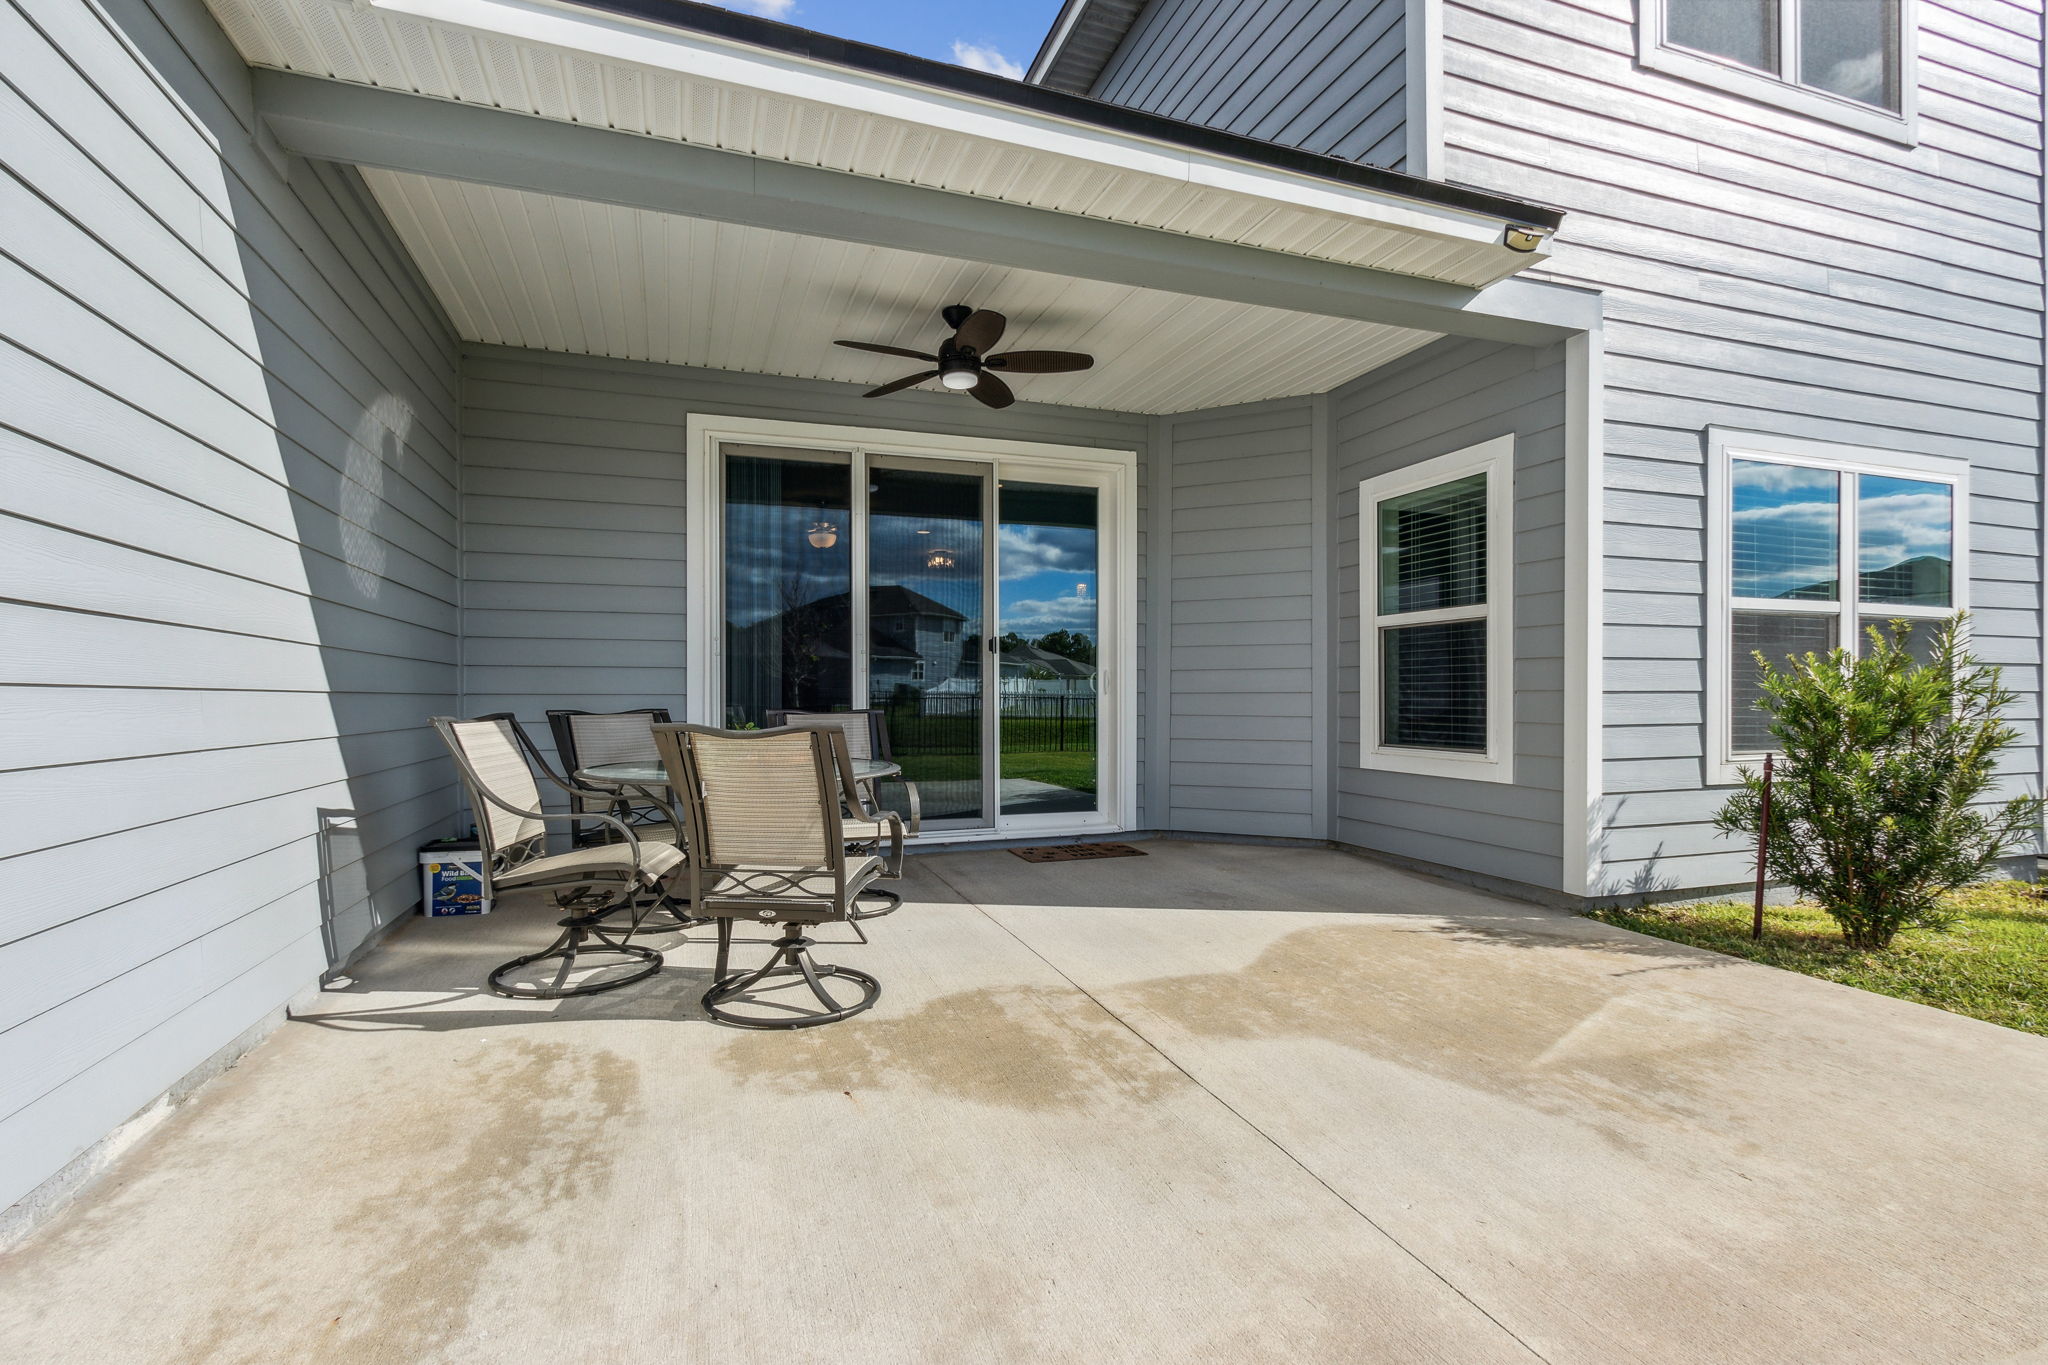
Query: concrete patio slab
[(1219, 1103)]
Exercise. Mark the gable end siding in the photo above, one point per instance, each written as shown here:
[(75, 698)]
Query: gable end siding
[(1327, 76)]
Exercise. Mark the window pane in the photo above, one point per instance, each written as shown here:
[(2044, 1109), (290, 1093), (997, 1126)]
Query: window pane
[(1777, 637), (1850, 48), (788, 583), (1904, 534), (1433, 547), (1433, 686), (1918, 638), (1787, 531), (1743, 31)]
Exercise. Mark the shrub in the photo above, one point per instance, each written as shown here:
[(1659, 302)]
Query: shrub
[(1881, 764)]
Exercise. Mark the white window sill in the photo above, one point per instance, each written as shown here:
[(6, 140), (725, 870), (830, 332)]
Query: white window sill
[(1466, 767), (1902, 128)]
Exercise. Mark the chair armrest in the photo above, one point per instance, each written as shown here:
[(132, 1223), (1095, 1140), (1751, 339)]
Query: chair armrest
[(892, 864), (916, 805), (632, 840)]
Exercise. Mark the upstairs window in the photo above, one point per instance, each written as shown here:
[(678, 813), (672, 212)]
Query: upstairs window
[(1436, 593), (1812, 546), (1849, 61)]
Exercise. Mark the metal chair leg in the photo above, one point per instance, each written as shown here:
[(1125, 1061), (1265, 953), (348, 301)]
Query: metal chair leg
[(583, 936), (792, 957)]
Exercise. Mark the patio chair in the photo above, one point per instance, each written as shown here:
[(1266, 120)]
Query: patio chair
[(867, 824), (590, 739), (867, 737), (588, 883), (769, 844)]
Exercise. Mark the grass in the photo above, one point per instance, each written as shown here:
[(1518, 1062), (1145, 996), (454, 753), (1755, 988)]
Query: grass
[(1073, 769), (1991, 963)]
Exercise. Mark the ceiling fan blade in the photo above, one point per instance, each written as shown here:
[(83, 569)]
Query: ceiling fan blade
[(880, 349), (1040, 362), (993, 392), (982, 330), (905, 382)]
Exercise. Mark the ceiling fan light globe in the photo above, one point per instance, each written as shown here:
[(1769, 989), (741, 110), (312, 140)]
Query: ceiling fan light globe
[(961, 379)]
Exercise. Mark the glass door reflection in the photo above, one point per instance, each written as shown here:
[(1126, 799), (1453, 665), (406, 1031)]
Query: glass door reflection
[(1050, 638), (788, 581), (926, 610)]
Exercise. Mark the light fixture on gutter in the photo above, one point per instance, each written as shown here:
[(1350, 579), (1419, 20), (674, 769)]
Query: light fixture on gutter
[(1521, 238)]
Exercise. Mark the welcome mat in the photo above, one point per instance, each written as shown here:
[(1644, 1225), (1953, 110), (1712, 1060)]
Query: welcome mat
[(1074, 853)]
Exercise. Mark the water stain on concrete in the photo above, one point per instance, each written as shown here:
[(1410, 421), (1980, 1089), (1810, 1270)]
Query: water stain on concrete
[(1473, 1009), (1016, 1047), (482, 1170)]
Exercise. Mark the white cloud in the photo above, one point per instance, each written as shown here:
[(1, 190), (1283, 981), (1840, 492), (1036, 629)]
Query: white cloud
[(1860, 78), (767, 9), (1032, 619), (1036, 549), (976, 57)]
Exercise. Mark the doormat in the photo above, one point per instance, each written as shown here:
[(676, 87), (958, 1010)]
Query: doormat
[(1074, 853)]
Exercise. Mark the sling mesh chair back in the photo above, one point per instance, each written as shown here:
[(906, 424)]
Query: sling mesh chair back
[(592, 739), (589, 883), (763, 809), (867, 737)]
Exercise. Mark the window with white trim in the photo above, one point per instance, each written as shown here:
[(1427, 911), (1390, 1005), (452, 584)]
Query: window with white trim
[(1848, 61), (1436, 594), (1813, 545)]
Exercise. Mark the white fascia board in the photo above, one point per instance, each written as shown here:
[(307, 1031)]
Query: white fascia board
[(702, 57)]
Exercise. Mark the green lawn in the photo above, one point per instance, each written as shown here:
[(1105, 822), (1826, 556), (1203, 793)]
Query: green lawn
[(1073, 769), (1992, 963)]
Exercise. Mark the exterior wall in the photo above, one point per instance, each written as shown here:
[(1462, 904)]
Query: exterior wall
[(1324, 75), (1772, 272), (1450, 395), (573, 505), (1241, 698), (227, 414)]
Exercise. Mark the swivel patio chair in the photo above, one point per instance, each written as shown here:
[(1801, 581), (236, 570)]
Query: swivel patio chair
[(592, 739), (867, 737), (588, 883), (769, 845), (868, 824)]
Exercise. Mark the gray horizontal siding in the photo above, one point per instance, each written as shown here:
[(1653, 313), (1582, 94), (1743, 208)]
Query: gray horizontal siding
[(1240, 563), (1324, 75), (1446, 397), (1770, 272), (227, 414), (573, 497)]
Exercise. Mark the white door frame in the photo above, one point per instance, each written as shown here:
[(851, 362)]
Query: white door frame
[(1117, 733)]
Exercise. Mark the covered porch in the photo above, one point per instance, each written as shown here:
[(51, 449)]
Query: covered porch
[(649, 229), (1219, 1102)]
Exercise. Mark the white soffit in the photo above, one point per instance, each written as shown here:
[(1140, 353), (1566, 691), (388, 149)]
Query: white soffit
[(575, 65), (556, 274)]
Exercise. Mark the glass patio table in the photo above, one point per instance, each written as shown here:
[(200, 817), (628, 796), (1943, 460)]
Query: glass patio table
[(645, 775)]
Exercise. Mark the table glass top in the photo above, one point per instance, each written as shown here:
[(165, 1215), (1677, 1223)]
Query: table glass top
[(654, 775)]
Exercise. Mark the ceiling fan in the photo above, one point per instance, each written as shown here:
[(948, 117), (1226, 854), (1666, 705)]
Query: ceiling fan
[(964, 361)]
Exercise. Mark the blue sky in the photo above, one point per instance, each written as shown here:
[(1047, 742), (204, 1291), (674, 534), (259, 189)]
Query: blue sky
[(1000, 37)]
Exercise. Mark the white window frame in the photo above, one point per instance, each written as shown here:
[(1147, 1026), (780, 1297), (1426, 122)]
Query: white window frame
[(1724, 447), (1656, 52), (1496, 460), (1114, 472)]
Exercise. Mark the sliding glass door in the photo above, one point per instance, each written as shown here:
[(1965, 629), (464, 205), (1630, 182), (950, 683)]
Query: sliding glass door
[(927, 606), (1050, 638), (961, 598)]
